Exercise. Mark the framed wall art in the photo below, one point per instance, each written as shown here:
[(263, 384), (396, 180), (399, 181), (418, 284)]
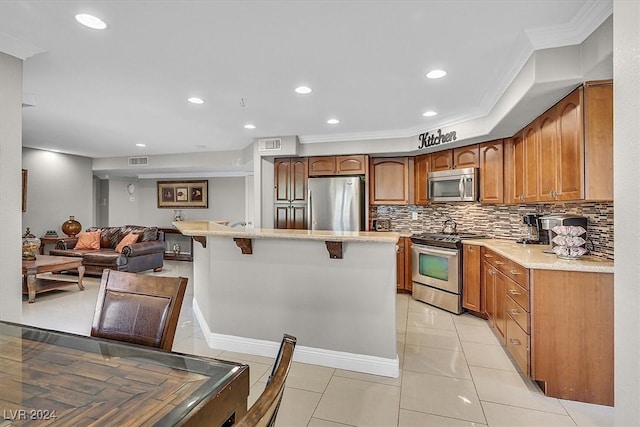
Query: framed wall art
[(183, 194)]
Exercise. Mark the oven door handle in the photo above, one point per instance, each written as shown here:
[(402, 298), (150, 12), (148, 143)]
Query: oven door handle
[(433, 251)]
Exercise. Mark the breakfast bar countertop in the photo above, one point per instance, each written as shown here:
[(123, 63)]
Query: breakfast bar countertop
[(219, 229), (531, 256)]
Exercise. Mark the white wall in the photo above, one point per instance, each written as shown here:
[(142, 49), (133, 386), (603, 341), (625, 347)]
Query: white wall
[(226, 202), (60, 185), (10, 187), (626, 74)]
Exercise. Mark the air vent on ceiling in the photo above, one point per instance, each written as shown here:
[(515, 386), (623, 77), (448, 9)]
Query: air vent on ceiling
[(138, 161), (270, 144)]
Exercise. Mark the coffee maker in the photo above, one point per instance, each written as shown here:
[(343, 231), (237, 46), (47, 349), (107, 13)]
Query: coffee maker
[(547, 223), (532, 231)]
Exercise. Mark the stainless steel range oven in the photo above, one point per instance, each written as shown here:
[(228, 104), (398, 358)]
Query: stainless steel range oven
[(437, 269)]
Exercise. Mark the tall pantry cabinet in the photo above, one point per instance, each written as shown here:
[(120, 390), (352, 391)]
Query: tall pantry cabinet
[(290, 192)]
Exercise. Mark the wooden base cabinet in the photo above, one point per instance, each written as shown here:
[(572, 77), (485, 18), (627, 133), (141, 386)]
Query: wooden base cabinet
[(471, 279), (572, 335), (557, 326), (403, 265)]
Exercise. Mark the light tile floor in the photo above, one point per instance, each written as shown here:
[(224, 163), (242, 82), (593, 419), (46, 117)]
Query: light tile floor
[(453, 371)]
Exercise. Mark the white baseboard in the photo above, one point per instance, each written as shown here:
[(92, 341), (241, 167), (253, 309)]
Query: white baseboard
[(316, 356)]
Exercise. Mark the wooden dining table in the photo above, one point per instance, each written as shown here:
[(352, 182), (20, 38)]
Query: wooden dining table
[(61, 379)]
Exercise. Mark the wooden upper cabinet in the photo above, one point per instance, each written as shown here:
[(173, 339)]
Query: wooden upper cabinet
[(441, 160), (338, 165), (421, 164), (466, 157), (517, 168), (325, 165), (548, 147), (456, 158), (491, 172), (530, 139), (389, 183), (298, 187), (570, 152), (282, 180), (351, 165), (290, 180), (598, 140), (290, 192), (509, 170)]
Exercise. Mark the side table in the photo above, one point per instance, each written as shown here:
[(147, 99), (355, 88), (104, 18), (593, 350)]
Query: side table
[(47, 241)]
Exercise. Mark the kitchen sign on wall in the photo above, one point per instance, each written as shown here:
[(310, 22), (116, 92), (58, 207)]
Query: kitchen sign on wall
[(430, 139)]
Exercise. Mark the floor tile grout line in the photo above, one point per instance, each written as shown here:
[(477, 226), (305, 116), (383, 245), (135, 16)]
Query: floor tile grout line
[(528, 408), (475, 386)]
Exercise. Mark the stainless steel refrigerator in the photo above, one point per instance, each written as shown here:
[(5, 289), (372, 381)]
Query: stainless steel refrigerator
[(336, 203)]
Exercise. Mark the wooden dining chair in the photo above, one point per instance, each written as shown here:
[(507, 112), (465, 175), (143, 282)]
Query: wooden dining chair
[(138, 308), (263, 412)]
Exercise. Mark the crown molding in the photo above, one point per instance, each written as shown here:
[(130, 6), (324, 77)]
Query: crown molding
[(581, 26)]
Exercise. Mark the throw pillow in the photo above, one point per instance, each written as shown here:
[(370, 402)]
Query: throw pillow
[(126, 240), (88, 240)]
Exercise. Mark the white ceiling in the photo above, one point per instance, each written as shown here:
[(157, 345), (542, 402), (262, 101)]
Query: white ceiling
[(98, 93)]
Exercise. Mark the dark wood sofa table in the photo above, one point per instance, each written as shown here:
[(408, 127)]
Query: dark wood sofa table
[(33, 285)]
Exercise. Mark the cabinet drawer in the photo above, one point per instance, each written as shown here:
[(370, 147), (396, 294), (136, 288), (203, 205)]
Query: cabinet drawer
[(518, 294), (498, 261), (518, 345), (517, 273), (517, 313)]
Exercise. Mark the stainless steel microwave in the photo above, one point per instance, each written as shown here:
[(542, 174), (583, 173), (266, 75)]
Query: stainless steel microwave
[(455, 185)]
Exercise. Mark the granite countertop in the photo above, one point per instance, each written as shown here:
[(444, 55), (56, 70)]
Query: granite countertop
[(531, 256), (219, 229)]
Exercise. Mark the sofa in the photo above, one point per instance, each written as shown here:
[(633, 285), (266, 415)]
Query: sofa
[(145, 253)]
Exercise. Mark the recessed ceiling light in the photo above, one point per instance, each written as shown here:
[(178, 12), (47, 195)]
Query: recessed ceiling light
[(195, 100), (436, 74), (91, 21), (333, 121), (429, 113), (141, 145), (249, 126), (303, 90)]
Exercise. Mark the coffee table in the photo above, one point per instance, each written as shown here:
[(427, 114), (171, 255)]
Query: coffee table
[(49, 264)]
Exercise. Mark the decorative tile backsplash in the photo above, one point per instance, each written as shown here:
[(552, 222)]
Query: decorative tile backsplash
[(502, 221)]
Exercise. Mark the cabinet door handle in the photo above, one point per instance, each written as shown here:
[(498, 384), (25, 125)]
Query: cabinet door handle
[(514, 312), (499, 262), (514, 272), (514, 292), (488, 256), (514, 341)]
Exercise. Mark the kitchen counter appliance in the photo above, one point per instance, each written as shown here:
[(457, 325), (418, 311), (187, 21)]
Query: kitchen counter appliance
[(437, 269), (533, 233), (549, 221), (455, 185)]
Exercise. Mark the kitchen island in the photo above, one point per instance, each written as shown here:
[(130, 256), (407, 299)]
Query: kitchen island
[(334, 291)]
